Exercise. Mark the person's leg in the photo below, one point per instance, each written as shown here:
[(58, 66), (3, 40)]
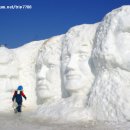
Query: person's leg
[(19, 106), (15, 106)]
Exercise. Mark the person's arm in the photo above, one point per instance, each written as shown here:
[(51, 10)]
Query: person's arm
[(14, 95), (22, 93)]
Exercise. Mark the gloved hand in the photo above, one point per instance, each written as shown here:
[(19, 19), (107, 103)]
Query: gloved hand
[(25, 97), (13, 99)]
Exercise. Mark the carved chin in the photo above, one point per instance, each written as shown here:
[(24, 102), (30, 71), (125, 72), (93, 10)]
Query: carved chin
[(74, 85), (127, 65), (44, 94)]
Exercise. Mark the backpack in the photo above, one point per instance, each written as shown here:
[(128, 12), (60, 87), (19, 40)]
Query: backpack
[(18, 97)]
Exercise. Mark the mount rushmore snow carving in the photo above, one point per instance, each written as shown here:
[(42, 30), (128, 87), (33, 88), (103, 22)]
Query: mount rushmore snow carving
[(84, 74)]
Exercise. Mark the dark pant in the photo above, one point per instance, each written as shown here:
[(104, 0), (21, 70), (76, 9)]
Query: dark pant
[(19, 106)]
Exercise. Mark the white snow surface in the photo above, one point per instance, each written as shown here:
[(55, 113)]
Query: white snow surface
[(79, 80)]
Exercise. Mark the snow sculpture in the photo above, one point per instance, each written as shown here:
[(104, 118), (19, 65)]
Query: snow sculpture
[(8, 76), (110, 94), (48, 71), (76, 63), (76, 51)]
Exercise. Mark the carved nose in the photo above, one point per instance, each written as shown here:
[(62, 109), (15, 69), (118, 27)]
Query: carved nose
[(72, 63), (42, 73)]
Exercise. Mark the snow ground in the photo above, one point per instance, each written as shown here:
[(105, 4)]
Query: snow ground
[(18, 122)]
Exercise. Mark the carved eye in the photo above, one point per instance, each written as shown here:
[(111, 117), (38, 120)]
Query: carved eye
[(66, 58), (52, 66), (83, 56)]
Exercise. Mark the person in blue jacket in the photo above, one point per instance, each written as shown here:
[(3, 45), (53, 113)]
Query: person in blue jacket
[(18, 98)]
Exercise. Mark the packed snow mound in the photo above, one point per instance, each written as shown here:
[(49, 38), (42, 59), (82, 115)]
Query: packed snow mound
[(78, 76)]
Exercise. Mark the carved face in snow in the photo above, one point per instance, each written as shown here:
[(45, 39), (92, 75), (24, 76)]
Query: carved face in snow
[(75, 66), (112, 41), (122, 41), (48, 77), (8, 76), (48, 71), (8, 68)]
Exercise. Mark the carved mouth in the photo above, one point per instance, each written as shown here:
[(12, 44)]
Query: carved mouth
[(42, 82), (43, 87), (72, 76)]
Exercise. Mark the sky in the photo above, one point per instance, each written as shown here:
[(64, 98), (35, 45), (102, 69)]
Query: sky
[(42, 19)]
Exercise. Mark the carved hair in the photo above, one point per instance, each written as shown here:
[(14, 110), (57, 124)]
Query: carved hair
[(104, 51)]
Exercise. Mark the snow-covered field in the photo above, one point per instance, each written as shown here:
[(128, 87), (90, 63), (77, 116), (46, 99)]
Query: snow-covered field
[(18, 122)]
